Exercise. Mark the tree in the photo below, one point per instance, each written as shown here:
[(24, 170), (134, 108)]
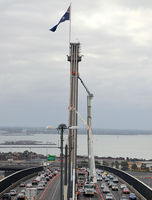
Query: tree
[(117, 164), (105, 163), (144, 168), (124, 165), (134, 166), (112, 164), (97, 163)]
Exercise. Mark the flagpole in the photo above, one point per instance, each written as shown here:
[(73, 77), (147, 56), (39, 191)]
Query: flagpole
[(70, 27)]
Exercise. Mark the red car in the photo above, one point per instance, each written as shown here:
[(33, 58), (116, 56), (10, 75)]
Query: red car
[(126, 191)]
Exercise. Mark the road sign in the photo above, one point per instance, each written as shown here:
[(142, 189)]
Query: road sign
[(51, 158)]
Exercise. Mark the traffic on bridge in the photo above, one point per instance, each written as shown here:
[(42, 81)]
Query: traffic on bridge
[(46, 185)]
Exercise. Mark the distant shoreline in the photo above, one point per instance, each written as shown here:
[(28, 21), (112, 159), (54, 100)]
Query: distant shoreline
[(81, 131)]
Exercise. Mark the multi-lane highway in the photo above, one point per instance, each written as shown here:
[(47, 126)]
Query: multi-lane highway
[(50, 191), (116, 194), (105, 186)]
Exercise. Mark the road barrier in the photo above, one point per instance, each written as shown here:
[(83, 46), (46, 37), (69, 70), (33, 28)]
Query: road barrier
[(142, 188), (15, 177)]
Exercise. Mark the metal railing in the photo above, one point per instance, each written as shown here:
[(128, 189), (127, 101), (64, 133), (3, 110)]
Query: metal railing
[(141, 187), (13, 178)]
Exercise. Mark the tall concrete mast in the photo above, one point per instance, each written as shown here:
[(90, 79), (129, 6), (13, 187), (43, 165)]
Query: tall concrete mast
[(74, 59)]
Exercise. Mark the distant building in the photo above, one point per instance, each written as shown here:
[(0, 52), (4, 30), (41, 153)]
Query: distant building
[(140, 164)]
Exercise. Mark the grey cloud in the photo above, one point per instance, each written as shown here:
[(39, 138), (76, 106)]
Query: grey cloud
[(116, 43)]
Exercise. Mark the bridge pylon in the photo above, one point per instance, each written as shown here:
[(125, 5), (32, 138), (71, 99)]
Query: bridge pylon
[(74, 58)]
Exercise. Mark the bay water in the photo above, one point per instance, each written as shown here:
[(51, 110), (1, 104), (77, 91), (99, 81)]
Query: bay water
[(132, 146)]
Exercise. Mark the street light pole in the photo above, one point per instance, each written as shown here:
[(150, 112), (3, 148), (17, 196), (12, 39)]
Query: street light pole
[(65, 173), (61, 127)]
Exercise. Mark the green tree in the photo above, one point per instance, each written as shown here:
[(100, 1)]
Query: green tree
[(144, 168), (97, 163), (134, 166), (124, 165), (105, 163), (112, 164), (117, 164)]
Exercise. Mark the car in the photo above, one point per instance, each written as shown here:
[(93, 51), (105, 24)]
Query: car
[(22, 184), (126, 191), (13, 192), (103, 176), (47, 179), (106, 190), (122, 186), (115, 180), (20, 196), (110, 184), (115, 187), (111, 177), (102, 185), (124, 197), (107, 179), (6, 196), (55, 172), (40, 186), (23, 192), (132, 196), (29, 185), (99, 178), (42, 183), (51, 175), (99, 174), (109, 196), (108, 175), (34, 182), (44, 180)]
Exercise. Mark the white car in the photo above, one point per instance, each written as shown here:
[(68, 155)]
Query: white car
[(106, 190), (109, 196), (13, 193), (115, 187), (20, 196), (42, 183), (23, 191), (29, 185), (122, 186), (40, 187), (115, 180), (103, 185), (99, 178)]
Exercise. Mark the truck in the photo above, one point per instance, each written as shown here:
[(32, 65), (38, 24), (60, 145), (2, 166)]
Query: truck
[(31, 193)]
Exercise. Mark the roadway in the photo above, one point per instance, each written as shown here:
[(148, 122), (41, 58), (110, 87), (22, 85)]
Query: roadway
[(116, 194), (101, 195), (145, 177), (50, 192)]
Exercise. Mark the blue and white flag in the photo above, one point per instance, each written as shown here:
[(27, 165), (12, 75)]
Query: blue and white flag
[(65, 17)]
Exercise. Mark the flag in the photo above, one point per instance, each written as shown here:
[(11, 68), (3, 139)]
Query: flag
[(65, 17)]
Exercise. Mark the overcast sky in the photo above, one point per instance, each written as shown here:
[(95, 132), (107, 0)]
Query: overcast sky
[(116, 44)]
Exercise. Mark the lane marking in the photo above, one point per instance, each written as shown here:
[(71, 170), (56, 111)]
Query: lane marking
[(99, 193), (55, 190), (54, 178)]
